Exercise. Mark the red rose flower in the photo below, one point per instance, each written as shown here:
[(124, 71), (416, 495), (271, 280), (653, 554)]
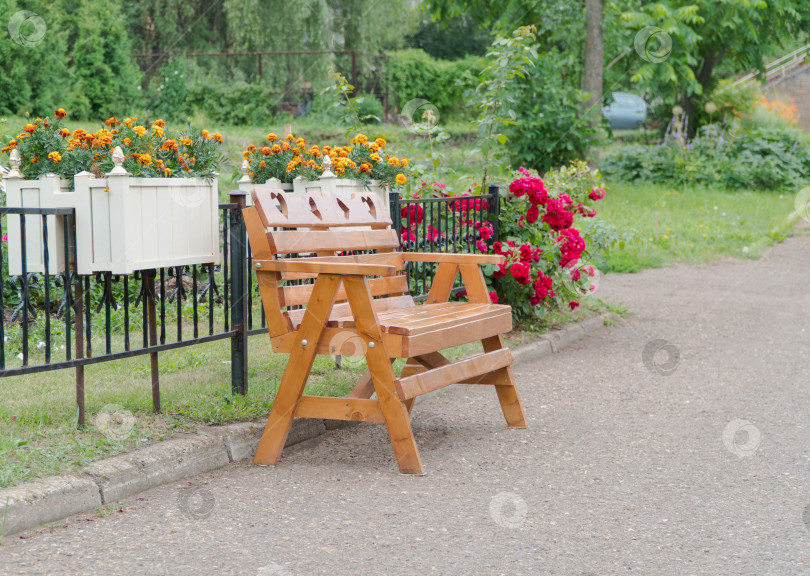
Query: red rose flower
[(485, 231), (520, 271), (597, 194), (573, 246), (557, 216), (493, 297), (573, 305), (532, 214)]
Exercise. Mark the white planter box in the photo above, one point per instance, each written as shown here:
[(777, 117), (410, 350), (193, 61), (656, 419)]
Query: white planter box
[(124, 224), (46, 192)]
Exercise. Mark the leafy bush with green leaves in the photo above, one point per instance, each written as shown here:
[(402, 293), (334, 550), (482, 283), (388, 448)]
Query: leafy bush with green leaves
[(236, 103), (411, 74), (763, 159)]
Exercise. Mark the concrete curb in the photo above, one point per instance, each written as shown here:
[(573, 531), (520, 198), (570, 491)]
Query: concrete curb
[(114, 479)]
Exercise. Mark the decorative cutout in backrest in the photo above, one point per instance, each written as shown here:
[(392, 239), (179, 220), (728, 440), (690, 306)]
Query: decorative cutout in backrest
[(319, 210)]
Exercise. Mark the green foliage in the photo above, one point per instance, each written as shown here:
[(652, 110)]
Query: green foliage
[(552, 128), (509, 60), (172, 101), (758, 160), (237, 103), (411, 74), (369, 108), (452, 39)]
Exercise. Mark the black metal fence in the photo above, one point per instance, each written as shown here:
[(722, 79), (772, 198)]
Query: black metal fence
[(58, 320)]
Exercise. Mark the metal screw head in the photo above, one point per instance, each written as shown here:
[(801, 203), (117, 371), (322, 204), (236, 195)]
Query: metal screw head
[(371, 344), (304, 342), (258, 264)]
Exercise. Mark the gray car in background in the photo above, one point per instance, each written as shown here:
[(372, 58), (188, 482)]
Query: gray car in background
[(626, 112)]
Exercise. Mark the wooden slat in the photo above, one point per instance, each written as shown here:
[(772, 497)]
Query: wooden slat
[(354, 409), (459, 371), (453, 257), (508, 396), (474, 283), (298, 295), (442, 283), (456, 335), (320, 209), (426, 319), (314, 267), (296, 241), (268, 282), (342, 314)]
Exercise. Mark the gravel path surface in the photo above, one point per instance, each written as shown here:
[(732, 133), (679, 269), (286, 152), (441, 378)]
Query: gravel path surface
[(676, 442)]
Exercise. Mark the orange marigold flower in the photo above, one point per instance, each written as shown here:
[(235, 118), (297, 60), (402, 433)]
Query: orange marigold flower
[(272, 137), (55, 156), (170, 145), (217, 136), (167, 171), (266, 151), (159, 163), (205, 133), (404, 162), (343, 154), (64, 132), (327, 149), (245, 155), (192, 160), (127, 141), (285, 147), (128, 122), (262, 163), (296, 152), (362, 138), (375, 157), (251, 148), (186, 168), (276, 148), (380, 142), (160, 122), (401, 179), (112, 121), (60, 113), (30, 128), (393, 161), (374, 148), (157, 130), (289, 137), (145, 159), (139, 130), (35, 160), (187, 142), (365, 167), (181, 159), (300, 142)]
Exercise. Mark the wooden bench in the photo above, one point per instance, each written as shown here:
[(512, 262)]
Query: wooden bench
[(359, 306)]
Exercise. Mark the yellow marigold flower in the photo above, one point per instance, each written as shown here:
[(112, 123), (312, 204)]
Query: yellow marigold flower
[(289, 137), (64, 132), (139, 130), (266, 150), (276, 148), (393, 161), (314, 152), (30, 128), (245, 155), (157, 130), (327, 149), (55, 156), (145, 160), (127, 141), (375, 157), (159, 163), (285, 147), (187, 142), (374, 148), (401, 179), (167, 171), (128, 122), (380, 142), (60, 113), (352, 164), (404, 162), (300, 142), (262, 163), (272, 137), (205, 133), (362, 138)]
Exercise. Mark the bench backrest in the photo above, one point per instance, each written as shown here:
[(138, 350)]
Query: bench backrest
[(318, 224)]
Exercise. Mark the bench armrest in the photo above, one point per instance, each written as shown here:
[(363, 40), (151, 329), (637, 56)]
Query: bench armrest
[(452, 257), (295, 265)]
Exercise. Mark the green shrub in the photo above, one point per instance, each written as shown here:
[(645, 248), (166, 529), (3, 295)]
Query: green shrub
[(411, 74), (370, 108), (237, 103), (757, 160), (172, 98)]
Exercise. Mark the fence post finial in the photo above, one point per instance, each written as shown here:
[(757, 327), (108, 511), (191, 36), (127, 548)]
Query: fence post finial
[(245, 171), (118, 160), (327, 167), (15, 161)]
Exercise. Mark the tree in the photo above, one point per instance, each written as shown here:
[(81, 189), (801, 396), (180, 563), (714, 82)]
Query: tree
[(684, 44), (592, 76)]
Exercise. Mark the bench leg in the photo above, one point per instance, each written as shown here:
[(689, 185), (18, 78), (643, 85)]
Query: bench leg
[(507, 394), (297, 371), (397, 419)]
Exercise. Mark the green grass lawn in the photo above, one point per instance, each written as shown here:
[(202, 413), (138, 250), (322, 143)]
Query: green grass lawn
[(662, 225)]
